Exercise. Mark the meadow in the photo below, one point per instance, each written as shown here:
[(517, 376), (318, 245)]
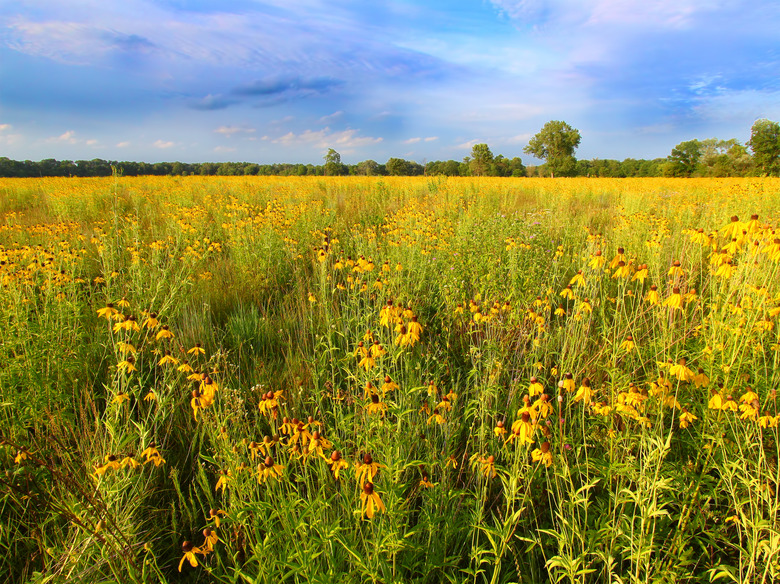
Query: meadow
[(389, 380)]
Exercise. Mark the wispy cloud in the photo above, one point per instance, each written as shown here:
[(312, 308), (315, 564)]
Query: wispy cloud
[(163, 144), (233, 130), (346, 139)]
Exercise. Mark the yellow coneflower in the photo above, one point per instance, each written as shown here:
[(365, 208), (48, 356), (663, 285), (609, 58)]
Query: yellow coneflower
[(337, 463), (196, 350), (499, 430), (269, 469), (486, 466), (151, 454), (168, 358), (535, 388), (652, 296), (224, 478), (577, 280), (543, 406), (701, 379), (675, 300), (120, 398), (628, 344), (681, 371), (371, 503), (542, 454), (211, 540), (522, 430), (164, 333), (388, 385), (568, 382), (676, 270), (111, 463), (376, 406), (584, 393), (641, 274), (716, 400), (189, 554), (151, 321), (127, 366), (108, 312), (436, 417), (367, 469), (214, 516), (686, 418)]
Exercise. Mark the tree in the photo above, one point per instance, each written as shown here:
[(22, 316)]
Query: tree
[(481, 159), (333, 166), (765, 144), (555, 144), (684, 159)]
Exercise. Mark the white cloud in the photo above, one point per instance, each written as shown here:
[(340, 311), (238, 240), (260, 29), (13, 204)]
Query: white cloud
[(4, 127), (123, 144), (332, 117), (232, 130), (68, 137), (163, 144), (431, 138), (224, 149), (412, 140), (92, 142), (326, 139)]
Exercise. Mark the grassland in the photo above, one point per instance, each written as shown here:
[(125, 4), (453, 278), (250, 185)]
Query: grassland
[(389, 380)]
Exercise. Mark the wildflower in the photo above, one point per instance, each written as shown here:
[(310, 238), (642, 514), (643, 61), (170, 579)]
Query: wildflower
[(567, 293), (269, 403), (151, 454), (568, 382), (628, 344), (388, 385), (675, 300), (543, 406), (749, 410), (729, 405), (641, 274), (681, 371), (676, 271), (377, 350), (168, 358), (312, 298), (716, 400), (451, 461), (700, 379), (748, 397), (426, 483), (597, 260), (111, 463), (366, 470), (499, 430), (415, 330), (185, 367), (767, 421), (120, 398), (108, 312), (371, 503), (127, 366), (151, 396), (214, 516), (584, 393), (535, 388), (436, 417), (487, 466), (623, 270), (542, 454), (211, 540), (337, 464), (165, 333), (686, 418), (522, 430), (578, 279), (129, 461), (224, 477), (151, 321), (189, 554), (268, 469), (128, 324), (196, 350), (652, 296), (126, 348)]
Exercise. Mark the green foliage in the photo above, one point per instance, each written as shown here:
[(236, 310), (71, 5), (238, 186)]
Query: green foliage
[(555, 143), (765, 144)]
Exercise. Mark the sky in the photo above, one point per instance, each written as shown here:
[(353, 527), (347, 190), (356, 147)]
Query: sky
[(285, 80)]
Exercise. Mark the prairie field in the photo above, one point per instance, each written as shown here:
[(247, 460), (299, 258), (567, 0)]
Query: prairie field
[(389, 380)]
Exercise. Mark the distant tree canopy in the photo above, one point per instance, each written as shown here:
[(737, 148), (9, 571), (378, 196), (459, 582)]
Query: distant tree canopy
[(555, 144)]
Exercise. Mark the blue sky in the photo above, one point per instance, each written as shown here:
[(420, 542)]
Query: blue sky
[(284, 80)]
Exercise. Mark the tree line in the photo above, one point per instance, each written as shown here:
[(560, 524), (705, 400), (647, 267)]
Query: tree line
[(555, 144)]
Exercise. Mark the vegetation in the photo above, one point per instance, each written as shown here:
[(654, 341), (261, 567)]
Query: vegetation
[(243, 379), (555, 144)]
